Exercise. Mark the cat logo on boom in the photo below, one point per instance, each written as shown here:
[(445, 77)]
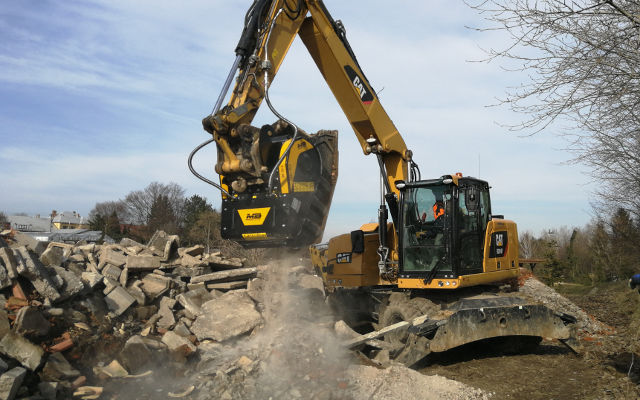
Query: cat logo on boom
[(359, 84), (253, 216)]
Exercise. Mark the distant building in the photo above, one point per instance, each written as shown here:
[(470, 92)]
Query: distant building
[(71, 236), (69, 220), (24, 223)]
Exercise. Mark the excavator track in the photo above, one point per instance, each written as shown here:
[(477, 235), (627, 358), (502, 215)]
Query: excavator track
[(440, 322)]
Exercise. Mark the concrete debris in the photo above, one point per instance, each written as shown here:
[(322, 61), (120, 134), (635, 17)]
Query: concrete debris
[(58, 369), (9, 261), (22, 350), (164, 245), (10, 382), (224, 276), (192, 300), (135, 354), (30, 267), (52, 256), (30, 322), (179, 347), (142, 262), (226, 317), (119, 300)]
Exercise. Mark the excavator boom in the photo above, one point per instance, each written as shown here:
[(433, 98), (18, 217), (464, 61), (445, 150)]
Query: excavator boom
[(277, 181)]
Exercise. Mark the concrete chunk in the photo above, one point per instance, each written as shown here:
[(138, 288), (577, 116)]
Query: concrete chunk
[(17, 347), (119, 300), (228, 316), (111, 271), (135, 354), (142, 262), (5, 281), (165, 245), (35, 245), (218, 262), (30, 322), (72, 284), (178, 346), (42, 279), (193, 299), (91, 278), (194, 251), (111, 256), (9, 261), (10, 382), (52, 256), (222, 276), (126, 242), (155, 285), (4, 323), (57, 369)]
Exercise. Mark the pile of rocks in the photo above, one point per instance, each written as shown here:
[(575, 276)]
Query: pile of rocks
[(72, 314), (158, 320)]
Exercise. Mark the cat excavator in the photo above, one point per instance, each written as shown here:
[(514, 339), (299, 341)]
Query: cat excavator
[(436, 250)]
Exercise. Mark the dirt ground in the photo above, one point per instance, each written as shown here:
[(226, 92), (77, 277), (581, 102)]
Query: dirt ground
[(607, 368)]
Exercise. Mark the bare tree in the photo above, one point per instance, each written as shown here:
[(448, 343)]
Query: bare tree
[(583, 59), (140, 202), (107, 208)]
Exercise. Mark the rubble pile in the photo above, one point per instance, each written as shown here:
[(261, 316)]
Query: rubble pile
[(134, 320), (72, 314)]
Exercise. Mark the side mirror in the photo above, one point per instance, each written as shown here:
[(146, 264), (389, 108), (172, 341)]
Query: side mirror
[(357, 241)]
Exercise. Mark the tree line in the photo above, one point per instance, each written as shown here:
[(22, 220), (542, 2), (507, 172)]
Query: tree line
[(159, 206), (607, 249)]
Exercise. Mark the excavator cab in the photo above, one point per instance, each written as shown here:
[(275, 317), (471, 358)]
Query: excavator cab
[(442, 228)]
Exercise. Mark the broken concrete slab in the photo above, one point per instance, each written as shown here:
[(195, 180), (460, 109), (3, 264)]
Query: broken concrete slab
[(179, 347), (53, 255), (35, 245), (142, 262), (4, 323), (163, 244), (111, 271), (126, 242), (135, 354), (225, 286), (30, 322), (9, 262), (137, 293), (155, 285), (5, 281), (72, 284), (167, 319), (58, 369), (109, 285), (10, 382), (91, 278), (17, 347), (194, 251), (119, 300), (229, 275), (219, 263), (188, 272), (109, 255), (228, 316), (191, 261), (192, 300), (42, 279)]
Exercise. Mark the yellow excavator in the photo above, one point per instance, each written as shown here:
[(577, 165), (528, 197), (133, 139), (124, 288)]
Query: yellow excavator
[(436, 245)]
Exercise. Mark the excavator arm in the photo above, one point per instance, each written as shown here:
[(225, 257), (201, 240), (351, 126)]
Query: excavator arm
[(277, 181)]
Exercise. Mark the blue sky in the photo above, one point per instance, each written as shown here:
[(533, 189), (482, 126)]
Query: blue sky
[(98, 98)]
